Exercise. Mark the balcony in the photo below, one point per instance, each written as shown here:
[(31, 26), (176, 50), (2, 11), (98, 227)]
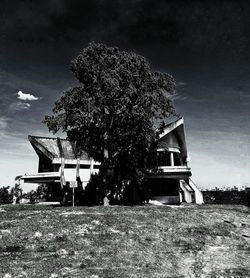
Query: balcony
[(174, 169), (180, 172), (41, 177)]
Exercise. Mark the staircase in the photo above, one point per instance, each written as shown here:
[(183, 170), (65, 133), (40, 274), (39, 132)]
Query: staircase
[(191, 189)]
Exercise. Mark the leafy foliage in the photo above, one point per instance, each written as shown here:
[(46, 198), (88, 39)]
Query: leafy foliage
[(41, 191), (111, 114), (17, 192), (5, 196)]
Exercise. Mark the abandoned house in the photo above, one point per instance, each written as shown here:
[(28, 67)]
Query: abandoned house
[(171, 184)]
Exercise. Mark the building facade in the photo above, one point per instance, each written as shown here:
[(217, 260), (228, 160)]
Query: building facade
[(169, 184), (172, 183)]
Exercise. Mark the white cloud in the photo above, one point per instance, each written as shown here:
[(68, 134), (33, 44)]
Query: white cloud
[(24, 96), (180, 83), (176, 96), (16, 106), (3, 123)]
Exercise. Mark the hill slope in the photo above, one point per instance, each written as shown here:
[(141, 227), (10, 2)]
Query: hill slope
[(189, 241)]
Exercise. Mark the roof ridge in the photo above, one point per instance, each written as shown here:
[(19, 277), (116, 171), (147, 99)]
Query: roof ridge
[(47, 137)]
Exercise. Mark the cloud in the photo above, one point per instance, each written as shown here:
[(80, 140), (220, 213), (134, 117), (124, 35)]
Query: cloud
[(179, 96), (181, 83), (176, 96), (29, 97), (17, 106), (3, 123)]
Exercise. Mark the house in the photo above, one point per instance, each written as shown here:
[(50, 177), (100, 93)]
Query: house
[(170, 184), (58, 165)]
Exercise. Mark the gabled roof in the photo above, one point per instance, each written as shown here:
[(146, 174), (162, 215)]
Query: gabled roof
[(177, 127), (54, 147), (58, 148), (171, 123)]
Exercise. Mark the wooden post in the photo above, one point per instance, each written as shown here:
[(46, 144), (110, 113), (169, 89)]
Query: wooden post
[(72, 185), (77, 167)]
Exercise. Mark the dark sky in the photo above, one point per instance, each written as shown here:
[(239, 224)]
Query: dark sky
[(203, 44)]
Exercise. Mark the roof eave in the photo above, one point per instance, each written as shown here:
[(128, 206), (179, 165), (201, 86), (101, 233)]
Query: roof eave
[(37, 146)]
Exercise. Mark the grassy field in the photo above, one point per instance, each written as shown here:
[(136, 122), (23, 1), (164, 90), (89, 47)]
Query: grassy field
[(184, 241)]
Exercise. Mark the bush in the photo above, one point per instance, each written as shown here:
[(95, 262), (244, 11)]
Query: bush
[(41, 191), (94, 191), (17, 192), (5, 196)]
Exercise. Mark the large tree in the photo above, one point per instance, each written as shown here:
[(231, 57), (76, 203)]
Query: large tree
[(112, 113)]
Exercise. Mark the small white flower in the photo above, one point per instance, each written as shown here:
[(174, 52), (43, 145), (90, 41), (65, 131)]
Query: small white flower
[(54, 275), (6, 232), (38, 235), (62, 252)]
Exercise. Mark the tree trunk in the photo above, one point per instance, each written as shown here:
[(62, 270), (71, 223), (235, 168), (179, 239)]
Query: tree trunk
[(105, 158), (105, 169)]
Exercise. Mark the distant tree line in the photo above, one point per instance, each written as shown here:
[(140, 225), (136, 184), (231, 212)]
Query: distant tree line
[(230, 196), (15, 194)]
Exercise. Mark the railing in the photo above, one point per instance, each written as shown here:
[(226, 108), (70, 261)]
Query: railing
[(173, 169), (198, 193), (42, 174), (41, 177)]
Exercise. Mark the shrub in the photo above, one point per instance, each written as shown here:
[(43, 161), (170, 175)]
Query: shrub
[(5, 196)]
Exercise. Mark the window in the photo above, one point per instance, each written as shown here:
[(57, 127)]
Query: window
[(73, 166), (177, 160), (163, 158)]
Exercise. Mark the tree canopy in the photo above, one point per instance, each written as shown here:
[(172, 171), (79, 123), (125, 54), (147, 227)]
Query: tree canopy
[(111, 113)]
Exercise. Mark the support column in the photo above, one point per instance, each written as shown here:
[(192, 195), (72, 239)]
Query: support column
[(171, 158), (91, 166)]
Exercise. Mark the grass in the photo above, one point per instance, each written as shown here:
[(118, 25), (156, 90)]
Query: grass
[(189, 241)]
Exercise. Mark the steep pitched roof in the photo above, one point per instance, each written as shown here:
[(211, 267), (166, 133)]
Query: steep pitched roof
[(173, 124), (177, 127), (169, 120), (58, 148), (54, 147)]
